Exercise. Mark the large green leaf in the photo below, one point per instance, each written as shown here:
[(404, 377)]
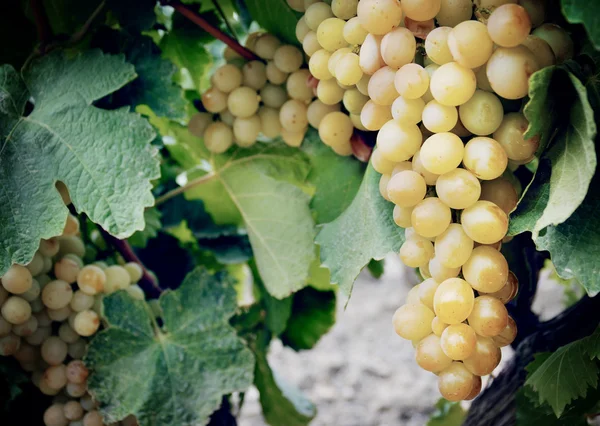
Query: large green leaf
[(313, 315), (447, 414), (566, 374), (103, 157), (584, 12), (175, 374), (282, 403), (559, 112), (336, 179), (276, 17), (365, 231), (153, 225)]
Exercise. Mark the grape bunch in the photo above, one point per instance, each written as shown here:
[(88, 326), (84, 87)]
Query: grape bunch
[(48, 310), (450, 133)]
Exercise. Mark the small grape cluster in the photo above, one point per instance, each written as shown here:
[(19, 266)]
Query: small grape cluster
[(267, 98), (48, 310), (445, 148)]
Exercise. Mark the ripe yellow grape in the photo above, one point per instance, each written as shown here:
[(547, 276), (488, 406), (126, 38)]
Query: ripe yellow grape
[(485, 158), (302, 29), (488, 317), (412, 298), (288, 58), (458, 341), (413, 321), (243, 102), (334, 58), (427, 291), (293, 115), (354, 33), (438, 118), (485, 222), (269, 122), (486, 270), (398, 47), (374, 116), (273, 96), (382, 90), (455, 382), (406, 189), (329, 92), (482, 114), (485, 358), (17, 279), (254, 75), (354, 101), (344, 9), (297, 86), (509, 291), (227, 78), (335, 129), (293, 139), (453, 301), (381, 164), (438, 326), (402, 216), (453, 247), (458, 188), (411, 81), (452, 84), (558, 39), (436, 46), (398, 141), (370, 54), (509, 25), (442, 153), (246, 130), (214, 100), (330, 34), (500, 192), (347, 70), (401, 166), (508, 335), (509, 69), (379, 16), (407, 110), (317, 110), (431, 217), (541, 51), (417, 166), (510, 135), (430, 356), (16, 310), (317, 13), (421, 10), (416, 252), (453, 12), (470, 44), (311, 44)]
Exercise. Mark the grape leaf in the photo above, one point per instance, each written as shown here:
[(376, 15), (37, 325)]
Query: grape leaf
[(447, 414), (584, 12), (153, 225), (276, 17), (566, 374), (134, 15), (566, 121), (365, 231), (376, 268), (336, 179), (66, 16), (282, 404), (175, 374), (313, 315), (103, 157), (531, 414)]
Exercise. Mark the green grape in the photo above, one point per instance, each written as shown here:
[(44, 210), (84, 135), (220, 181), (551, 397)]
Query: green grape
[(500, 192), (452, 84), (354, 33), (86, 323), (485, 158), (363, 84), (382, 89), (266, 45), (273, 96), (455, 382), (370, 54), (509, 69), (453, 12), (511, 136), (254, 75), (458, 341), (379, 16), (311, 44), (536, 9), (485, 222), (302, 29), (297, 86), (482, 80), (293, 116), (458, 188), (374, 116), (330, 34), (413, 322), (335, 129), (329, 92), (347, 70), (486, 270), (406, 189), (442, 153), (430, 356), (438, 118), (319, 65), (354, 101), (421, 10), (453, 301), (407, 110), (243, 102), (344, 9), (488, 317), (317, 13), (269, 123), (288, 58), (541, 50), (317, 110), (509, 25), (431, 217), (453, 248), (482, 114), (485, 358), (398, 141), (398, 47), (56, 294), (246, 130), (559, 40), (470, 44), (198, 123)]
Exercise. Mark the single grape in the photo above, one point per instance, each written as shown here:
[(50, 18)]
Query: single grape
[(453, 301), (302, 29), (442, 153), (485, 358), (55, 416), (475, 390), (559, 40), (536, 9), (246, 130), (354, 101), (417, 166), (439, 118), (438, 326), (482, 114), (413, 322), (91, 280), (458, 188), (269, 122), (198, 123), (344, 9), (273, 96), (407, 110), (485, 158), (398, 47), (86, 323), (430, 356), (436, 46), (416, 252), (485, 222), (453, 12), (452, 84), (500, 192), (288, 58), (319, 65), (27, 328), (347, 70), (412, 298), (411, 81), (398, 141), (406, 189), (508, 335), (227, 78), (511, 136), (363, 84), (427, 291), (54, 351), (383, 184), (67, 269), (330, 34), (36, 266), (421, 10), (440, 272), (374, 116), (509, 291), (509, 25), (509, 69), (431, 217), (455, 382), (311, 44), (486, 270), (379, 16), (214, 100), (470, 44), (458, 341), (354, 33), (17, 279), (402, 216), (454, 247), (335, 129), (329, 92), (317, 13), (541, 50), (488, 317), (297, 86), (370, 54), (382, 89)]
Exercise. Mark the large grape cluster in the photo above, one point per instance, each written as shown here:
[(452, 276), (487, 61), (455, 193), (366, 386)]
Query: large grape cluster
[(449, 133), (48, 311)]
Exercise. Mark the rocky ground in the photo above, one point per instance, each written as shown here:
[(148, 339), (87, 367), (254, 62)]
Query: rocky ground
[(361, 373)]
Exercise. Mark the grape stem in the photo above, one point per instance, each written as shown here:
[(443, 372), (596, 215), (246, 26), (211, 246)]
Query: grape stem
[(197, 19), (42, 23), (191, 184), (147, 282)]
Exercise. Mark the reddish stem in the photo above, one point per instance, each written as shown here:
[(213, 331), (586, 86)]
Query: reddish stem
[(213, 31)]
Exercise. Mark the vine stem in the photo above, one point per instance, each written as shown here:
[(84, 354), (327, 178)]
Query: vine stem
[(175, 192), (148, 282), (42, 23), (212, 30)]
